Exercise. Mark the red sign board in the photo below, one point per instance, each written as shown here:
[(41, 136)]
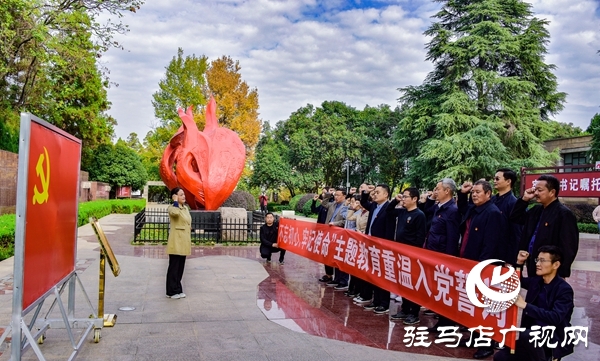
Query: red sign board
[(431, 279), (51, 218), (575, 184)]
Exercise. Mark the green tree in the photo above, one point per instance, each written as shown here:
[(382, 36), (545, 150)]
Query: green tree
[(485, 103), (237, 104), (118, 165), (555, 130), (182, 87), (594, 130), (48, 64)]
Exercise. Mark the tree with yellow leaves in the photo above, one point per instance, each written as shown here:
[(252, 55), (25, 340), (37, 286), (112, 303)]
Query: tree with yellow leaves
[(237, 103)]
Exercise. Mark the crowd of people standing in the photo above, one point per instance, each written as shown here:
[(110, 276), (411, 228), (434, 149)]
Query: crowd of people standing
[(476, 221)]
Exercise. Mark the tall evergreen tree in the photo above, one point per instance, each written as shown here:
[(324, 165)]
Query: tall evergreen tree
[(485, 103)]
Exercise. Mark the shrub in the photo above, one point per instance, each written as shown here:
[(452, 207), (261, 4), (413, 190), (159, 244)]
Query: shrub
[(307, 198), (235, 200), (583, 212), (250, 200), (241, 199), (294, 201), (279, 208), (306, 209), (7, 229), (587, 228)]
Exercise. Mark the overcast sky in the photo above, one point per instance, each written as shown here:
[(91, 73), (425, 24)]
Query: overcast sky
[(308, 51)]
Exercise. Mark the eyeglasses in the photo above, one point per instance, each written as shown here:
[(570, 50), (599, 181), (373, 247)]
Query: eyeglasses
[(497, 178), (405, 196), (541, 260)]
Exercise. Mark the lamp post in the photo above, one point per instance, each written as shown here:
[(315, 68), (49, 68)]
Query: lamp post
[(347, 164)]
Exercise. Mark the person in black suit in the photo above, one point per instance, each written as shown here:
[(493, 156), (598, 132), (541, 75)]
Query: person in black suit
[(505, 200), (321, 218), (483, 230), (268, 239), (549, 302), (378, 226), (550, 223)]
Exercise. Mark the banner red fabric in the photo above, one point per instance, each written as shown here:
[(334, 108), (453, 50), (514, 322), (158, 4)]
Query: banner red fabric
[(431, 279), (575, 184)]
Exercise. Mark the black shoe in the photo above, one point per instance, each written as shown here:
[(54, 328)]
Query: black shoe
[(429, 313), (399, 316), (369, 307), (281, 262), (351, 293), (483, 353), (340, 287), (325, 278), (331, 284), (380, 310), (411, 320)]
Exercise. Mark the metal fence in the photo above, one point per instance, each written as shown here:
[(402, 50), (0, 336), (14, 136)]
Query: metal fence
[(152, 225)]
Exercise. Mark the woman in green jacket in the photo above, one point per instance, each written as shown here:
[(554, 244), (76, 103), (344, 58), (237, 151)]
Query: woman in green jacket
[(179, 244)]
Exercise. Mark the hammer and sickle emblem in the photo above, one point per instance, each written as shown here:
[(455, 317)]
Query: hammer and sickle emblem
[(42, 197)]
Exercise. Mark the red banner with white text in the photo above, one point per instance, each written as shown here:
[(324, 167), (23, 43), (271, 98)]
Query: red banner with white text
[(431, 279), (572, 184)]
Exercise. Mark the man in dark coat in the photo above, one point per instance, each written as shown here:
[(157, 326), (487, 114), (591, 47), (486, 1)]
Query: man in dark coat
[(549, 302), (378, 226), (505, 200), (411, 225), (444, 233), (321, 213), (549, 223), (268, 239), (483, 230)]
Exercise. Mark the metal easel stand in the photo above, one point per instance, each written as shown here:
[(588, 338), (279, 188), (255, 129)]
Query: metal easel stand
[(110, 319), (67, 321)]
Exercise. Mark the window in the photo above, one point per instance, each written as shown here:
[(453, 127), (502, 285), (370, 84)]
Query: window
[(575, 159)]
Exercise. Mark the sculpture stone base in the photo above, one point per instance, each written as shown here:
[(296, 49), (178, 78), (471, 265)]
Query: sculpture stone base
[(234, 224)]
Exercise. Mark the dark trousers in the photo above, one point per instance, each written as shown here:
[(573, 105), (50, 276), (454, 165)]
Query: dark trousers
[(281, 255), (329, 270), (341, 277), (175, 274), (381, 297), (366, 291), (524, 351), (409, 307), (355, 285)]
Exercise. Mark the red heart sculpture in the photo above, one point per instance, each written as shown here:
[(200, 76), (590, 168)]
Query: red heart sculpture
[(206, 165)]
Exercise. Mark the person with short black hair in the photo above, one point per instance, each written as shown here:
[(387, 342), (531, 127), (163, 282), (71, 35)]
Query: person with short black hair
[(179, 243), (410, 228), (377, 226), (549, 302), (549, 223), (504, 181), (483, 230), (268, 239)]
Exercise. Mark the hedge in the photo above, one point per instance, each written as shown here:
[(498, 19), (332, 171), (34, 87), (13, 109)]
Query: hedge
[(100, 209), (587, 227), (306, 198), (583, 212), (279, 208), (306, 208), (96, 209), (7, 229), (295, 201)]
